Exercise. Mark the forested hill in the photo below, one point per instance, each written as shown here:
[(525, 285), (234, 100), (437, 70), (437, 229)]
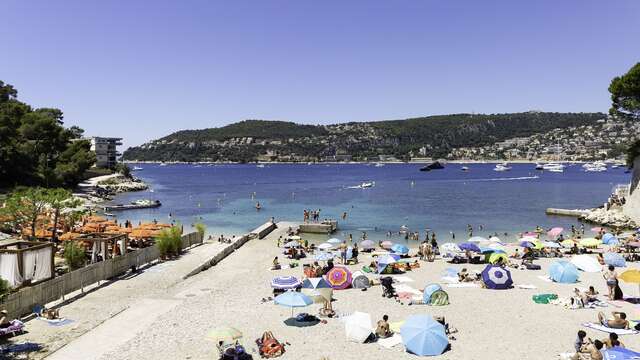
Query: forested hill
[(253, 140)]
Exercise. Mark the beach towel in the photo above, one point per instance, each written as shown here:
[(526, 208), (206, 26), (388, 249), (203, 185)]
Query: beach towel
[(56, 322), (402, 279), (610, 330), (544, 298), (450, 279), (402, 288), (463, 285), (391, 341), (544, 278), (526, 286), (19, 348), (367, 269)]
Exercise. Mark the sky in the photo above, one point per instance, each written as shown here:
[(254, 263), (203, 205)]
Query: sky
[(142, 69)]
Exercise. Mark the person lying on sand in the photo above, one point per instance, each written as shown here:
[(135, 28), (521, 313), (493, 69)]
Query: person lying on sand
[(464, 276), (619, 320)]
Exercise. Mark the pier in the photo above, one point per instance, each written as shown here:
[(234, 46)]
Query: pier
[(325, 227), (566, 212)]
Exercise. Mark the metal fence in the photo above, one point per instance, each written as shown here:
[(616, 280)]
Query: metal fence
[(23, 301)]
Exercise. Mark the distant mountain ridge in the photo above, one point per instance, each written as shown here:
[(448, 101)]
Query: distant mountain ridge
[(432, 136)]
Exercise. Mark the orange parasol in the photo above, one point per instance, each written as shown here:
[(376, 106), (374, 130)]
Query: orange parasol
[(69, 236)]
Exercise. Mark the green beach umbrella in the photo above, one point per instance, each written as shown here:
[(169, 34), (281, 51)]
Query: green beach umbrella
[(226, 334)]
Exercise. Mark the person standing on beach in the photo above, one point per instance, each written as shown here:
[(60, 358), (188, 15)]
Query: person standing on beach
[(612, 280), (343, 253)]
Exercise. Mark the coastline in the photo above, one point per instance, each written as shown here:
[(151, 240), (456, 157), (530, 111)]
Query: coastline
[(519, 161), (100, 189)]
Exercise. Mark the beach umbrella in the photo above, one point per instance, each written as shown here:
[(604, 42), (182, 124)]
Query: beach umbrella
[(497, 246), (334, 241), (620, 353), (285, 282), (400, 249), (291, 244), (294, 237), (495, 257), (325, 246), (358, 326), (423, 336), (496, 277), (428, 291), (563, 272), (317, 288), (614, 259), (339, 277), (386, 244), (608, 237), (477, 239), (495, 239), (551, 244), (527, 244), (553, 233), (590, 242), (469, 246), (568, 243), (360, 281), (586, 263), (324, 256), (226, 334), (384, 261), (634, 243), (367, 244), (630, 276), (486, 250), (449, 247), (293, 299)]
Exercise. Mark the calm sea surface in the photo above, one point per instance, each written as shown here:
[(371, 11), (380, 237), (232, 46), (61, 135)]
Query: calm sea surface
[(444, 201)]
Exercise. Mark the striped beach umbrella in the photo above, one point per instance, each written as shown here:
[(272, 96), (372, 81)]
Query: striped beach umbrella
[(339, 277), (386, 244), (553, 233), (317, 288), (285, 282), (495, 277)]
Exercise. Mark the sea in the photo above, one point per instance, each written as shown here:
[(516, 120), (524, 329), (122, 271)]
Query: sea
[(447, 201)]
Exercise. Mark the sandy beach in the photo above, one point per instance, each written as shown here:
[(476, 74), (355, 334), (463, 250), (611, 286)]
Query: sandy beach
[(492, 324)]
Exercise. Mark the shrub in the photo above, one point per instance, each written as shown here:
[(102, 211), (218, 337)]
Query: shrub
[(633, 152), (4, 287), (74, 255), (169, 241), (201, 229)]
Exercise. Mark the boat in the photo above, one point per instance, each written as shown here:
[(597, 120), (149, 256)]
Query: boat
[(364, 185), (260, 166), (436, 165), (137, 204), (379, 165), (553, 167), (539, 166), (596, 166), (464, 168), (502, 167), (557, 169), (136, 168), (162, 164)]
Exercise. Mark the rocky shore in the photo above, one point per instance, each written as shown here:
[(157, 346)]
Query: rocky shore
[(612, 218), (99, 189)]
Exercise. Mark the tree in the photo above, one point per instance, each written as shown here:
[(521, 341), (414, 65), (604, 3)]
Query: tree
[(625, 94), (24, 206), (59, 200), (74, 255)]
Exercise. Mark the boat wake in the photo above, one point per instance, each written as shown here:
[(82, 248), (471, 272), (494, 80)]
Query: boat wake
[(508, 178)]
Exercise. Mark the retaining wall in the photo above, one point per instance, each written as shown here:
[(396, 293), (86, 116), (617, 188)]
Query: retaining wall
[(23, 301)]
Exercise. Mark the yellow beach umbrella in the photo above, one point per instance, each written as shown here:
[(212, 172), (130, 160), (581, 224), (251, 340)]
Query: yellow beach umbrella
[(630, 276), (568, 243), (590, 242), (226, 334), (495, 257)]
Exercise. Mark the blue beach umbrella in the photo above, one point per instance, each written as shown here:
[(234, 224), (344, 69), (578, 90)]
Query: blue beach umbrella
[(385, 260), (469, 246), (334, 241), (527, 244), (606, 238), (285, 282), (620, 353), (496, 277), (563, 272), (423, 336), (614, 259), (400, 249), (293, 299), (428, 291)]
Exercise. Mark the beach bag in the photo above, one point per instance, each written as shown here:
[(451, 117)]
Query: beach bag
[(439, 298), (271, 348), (544, 298), (530, 266)]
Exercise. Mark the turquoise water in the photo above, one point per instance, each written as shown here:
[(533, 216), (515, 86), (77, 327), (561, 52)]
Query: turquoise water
[(445, 201)]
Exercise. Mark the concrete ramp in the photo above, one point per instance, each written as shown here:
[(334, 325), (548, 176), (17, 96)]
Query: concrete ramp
[(114, 332)]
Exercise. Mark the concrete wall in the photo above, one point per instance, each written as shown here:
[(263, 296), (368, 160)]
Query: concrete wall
[(632, 206), (22, 302)]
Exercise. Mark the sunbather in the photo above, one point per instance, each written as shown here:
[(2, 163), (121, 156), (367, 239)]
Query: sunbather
[(619, 320), (612, 341), (592, 352), (382, 329), (4, 319)]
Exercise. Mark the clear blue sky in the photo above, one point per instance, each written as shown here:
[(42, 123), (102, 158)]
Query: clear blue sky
[(143, 69)]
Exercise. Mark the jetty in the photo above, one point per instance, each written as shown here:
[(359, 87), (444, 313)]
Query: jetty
[(324, 227), (139, 204), (567, 212)]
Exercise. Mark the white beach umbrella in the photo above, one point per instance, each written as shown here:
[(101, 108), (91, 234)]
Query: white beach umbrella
[(496, 246), (325, 246), (586, 263), (294, 237), (334, 241), (477, 239), (495, 239), (449, 247), (358, 326)]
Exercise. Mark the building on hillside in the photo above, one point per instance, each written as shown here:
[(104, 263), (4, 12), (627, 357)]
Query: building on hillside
[(106, 151)]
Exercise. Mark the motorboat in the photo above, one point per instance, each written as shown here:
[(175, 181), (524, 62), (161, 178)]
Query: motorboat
[(596, 166), (539, 166), (553, 167), (379, 165), (436, 165), (464, 168), (260, 166), (136, 168), (364, 185), (502, 167)]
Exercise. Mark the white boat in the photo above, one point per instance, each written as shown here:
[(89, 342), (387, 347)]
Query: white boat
[(379, 165), (260, 165), (596, 166), (502, 167), (553, 167), (136, 168), (464, 168), (539, 166), (364, 185), (163, 164)]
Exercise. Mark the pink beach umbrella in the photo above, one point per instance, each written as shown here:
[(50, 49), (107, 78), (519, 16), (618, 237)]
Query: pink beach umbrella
[(553, 233), (339, 277), (530, 234), (387, 244)]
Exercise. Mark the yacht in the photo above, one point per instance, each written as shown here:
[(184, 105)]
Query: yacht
[(596, 166), (539, 166), (379, 165), (136, 168), (464, 168), (553, 167), (260, 165), (502, 167)]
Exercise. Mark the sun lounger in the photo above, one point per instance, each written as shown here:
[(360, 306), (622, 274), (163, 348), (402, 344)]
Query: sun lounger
[(391, 341), (16, 327), (610, 330)]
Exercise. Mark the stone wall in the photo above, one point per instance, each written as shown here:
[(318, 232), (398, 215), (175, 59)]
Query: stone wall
[(632, 206)]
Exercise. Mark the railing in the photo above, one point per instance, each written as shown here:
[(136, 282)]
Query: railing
[(23, 301)]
